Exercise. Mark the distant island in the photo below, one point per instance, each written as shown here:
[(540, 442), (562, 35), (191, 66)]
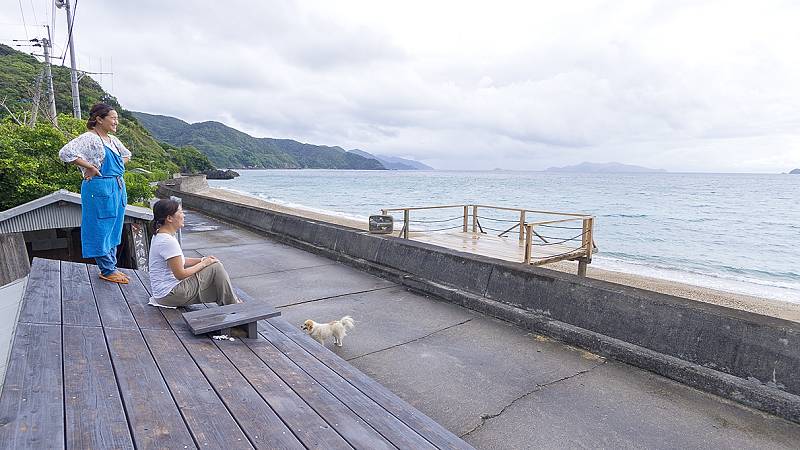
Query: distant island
[(795, 172), (611, 167), (230, 148)]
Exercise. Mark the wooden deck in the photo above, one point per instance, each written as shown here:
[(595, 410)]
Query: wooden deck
[(521, 238), (93, 366), (506, 248)]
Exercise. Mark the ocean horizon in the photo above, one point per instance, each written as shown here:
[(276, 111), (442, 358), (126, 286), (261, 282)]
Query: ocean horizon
[(730, 232)]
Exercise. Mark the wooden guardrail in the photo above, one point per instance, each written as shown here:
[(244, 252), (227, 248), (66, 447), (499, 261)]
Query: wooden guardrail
[(528, 231)]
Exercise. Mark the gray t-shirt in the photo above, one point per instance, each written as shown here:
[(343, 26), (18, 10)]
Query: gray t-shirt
[(163, 246)]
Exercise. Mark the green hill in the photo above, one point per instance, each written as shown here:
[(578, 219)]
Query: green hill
[(29, 164), (18, 72), (228, 147)]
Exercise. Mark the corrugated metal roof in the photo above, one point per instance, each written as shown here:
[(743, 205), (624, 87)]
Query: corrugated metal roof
[(61, 209)]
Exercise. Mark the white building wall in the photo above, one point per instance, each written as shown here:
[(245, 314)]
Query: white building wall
[(10, 301)]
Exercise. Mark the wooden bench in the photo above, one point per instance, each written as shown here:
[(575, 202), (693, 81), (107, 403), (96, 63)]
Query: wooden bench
[(223, 318)]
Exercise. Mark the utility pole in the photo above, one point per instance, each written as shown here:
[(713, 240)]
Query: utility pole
[(48, 74), (76, 100), (37, 94)]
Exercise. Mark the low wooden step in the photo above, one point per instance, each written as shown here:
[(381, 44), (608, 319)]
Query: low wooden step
[(244, 315)]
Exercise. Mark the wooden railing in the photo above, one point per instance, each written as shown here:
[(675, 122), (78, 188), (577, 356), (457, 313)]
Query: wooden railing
[(528, 231)]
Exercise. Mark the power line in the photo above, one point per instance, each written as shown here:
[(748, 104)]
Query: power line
[(34, 12), (23, 20), (69, 33)]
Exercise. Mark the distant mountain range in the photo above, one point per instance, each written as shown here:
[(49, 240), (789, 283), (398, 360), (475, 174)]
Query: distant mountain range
[(394, 162), (230, 148), (795, 172), (611, 167)]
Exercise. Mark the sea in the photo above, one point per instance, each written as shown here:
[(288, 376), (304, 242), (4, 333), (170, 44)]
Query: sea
[(738, 233)]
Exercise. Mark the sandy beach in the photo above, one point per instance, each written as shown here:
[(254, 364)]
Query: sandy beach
[(765, 306)]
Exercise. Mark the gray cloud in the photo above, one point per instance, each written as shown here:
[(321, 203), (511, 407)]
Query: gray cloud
[(680, 85)]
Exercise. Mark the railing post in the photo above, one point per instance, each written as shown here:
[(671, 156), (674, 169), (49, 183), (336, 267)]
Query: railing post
[(586, 243), (474, 218), (466, 214), (405, 223), (528, 243), (521, 225), (588, 226)]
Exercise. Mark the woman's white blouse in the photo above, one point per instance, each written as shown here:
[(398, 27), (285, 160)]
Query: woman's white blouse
[(89, 147)]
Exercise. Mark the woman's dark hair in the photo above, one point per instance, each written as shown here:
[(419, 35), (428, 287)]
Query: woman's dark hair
[(100, 110), (161, 210)]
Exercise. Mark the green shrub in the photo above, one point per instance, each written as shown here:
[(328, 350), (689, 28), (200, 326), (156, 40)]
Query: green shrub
[(30, 167), (139, 189)]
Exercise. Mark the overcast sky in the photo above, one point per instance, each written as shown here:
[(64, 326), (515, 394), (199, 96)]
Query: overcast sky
[(679, 85)]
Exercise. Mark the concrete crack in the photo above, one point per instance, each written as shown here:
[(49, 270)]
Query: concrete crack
[(408, 342), (334, 296), (277, 271), (487, 417)]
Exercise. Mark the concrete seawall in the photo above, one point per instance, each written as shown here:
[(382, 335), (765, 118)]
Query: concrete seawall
[(746, 357)]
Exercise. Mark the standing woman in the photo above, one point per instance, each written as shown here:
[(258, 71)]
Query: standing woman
[(101, 158)]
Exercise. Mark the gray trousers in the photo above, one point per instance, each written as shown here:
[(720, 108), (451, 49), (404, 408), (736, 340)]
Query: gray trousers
[(210, 285)]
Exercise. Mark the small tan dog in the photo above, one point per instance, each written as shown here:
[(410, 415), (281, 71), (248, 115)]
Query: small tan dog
[(321, 331)]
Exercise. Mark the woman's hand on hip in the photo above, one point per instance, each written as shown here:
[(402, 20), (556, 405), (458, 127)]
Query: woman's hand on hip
[(91, 172)]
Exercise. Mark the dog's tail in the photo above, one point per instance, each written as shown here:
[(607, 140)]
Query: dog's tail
[(348, 322)]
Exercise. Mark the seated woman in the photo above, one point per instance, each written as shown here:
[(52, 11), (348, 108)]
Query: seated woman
[(179, 281)]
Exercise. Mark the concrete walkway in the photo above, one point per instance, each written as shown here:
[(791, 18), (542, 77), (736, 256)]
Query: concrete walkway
[(493, 384)]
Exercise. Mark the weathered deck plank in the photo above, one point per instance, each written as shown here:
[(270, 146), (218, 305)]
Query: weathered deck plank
[(203, 411), (77, 300), (350, 426), (128, 375), (412, 417), (257, 419), (374, 414), (137, 295), (32, 404), (41, 302), (310, 428), (252, 421), (152, 413), (114, 311), (95, 417)]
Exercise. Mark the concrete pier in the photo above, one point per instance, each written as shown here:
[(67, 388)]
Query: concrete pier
[(494, 383), (743, 356)]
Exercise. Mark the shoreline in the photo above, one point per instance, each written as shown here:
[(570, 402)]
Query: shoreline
[(758, 305)]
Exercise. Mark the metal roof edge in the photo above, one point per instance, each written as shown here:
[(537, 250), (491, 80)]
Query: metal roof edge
[(65, 195)]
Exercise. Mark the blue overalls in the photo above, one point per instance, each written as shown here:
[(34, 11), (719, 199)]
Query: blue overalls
[(103, 200)]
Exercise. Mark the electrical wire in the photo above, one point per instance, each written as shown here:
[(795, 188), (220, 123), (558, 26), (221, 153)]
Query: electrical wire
[(69, 32), (24, 24), (35, 19)]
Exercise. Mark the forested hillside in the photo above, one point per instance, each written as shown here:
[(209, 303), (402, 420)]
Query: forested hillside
[(228, 147), (29, 164)]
